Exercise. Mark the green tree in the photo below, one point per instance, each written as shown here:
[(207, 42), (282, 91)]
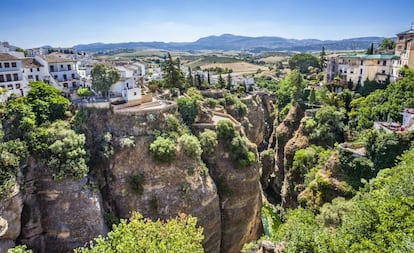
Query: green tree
[(302, 62), (103, 77), (387, 44), (322, 59), (144, 235), (191, 146), (229, 82), (370, 50), (18, 119), (172, 75), (188, 108), (330, 127), (312, 97), (208, 141), (47, 102), (221, 83), (190, 79), (61, 150)]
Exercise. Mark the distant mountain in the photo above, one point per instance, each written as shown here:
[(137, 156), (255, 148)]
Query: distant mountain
[(235, 42)]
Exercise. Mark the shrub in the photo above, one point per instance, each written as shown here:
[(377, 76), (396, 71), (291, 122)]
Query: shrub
[(208, 141), (163, 149), (137, 183), (127, 142), (84, 92), (188, 108), (191, 146), (211, 102), (240, 152), (20, 249), (180, 234), (241, 109), (225, 130)]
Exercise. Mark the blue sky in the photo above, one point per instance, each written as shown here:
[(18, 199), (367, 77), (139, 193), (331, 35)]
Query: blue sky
[(32, 23)]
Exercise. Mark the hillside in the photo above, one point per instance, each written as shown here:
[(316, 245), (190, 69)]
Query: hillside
[(233, 42)]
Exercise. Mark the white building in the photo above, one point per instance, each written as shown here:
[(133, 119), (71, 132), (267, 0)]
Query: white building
[(11, 76), (118, 88), (63, 71), (33, 71)]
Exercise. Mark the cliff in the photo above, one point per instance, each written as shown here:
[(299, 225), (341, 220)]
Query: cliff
[(240, 199)]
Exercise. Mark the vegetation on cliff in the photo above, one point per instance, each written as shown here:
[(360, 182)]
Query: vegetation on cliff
[(180, 234)]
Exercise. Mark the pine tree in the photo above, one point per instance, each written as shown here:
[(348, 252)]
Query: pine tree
[(173, 77), (322, 59), (221, 82), (229, 85)]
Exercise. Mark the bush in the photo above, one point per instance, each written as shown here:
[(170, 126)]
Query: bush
[(225, 130), (163, 149), (144, 235), (191, 146), (20, 249), (137, 183), (240, 152), (84, 92), (188, 108), (241, 109), (12, 156), (208, 141), (212, 103)]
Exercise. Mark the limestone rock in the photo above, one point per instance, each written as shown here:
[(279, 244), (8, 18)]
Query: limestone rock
[(240, 200), (60, 216), (168, 189)]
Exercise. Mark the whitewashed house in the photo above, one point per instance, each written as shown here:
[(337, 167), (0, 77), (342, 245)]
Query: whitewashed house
[(11, 75), (62, 71), (33, 71)]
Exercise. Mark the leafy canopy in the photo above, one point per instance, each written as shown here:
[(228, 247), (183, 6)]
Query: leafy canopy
[(143, 235), (103, 77)]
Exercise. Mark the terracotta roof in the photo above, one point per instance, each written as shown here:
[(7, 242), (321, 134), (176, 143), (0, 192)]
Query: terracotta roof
[(55, 59), (7, 57), (31, 63)]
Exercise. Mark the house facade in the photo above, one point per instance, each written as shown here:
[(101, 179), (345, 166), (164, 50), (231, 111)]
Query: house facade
[(62, 71), (11, 75), (357, 68)]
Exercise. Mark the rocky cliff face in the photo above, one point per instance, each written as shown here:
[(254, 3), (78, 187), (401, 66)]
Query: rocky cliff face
[(10, 224), (240, 200), (182, 186), (292, 177), (255, 119), (59, 216), (281, 135)]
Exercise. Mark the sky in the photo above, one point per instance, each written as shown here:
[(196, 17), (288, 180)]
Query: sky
[(34, 23)]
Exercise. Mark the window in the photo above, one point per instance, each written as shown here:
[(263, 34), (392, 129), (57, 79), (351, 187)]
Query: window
[(362, 62), (1, 78), (10, 86), (6, 65), (1, 65), (65, 85), (30, 76), (17, 85), (37, 77), (31, 70), (69, 67), (55, 76), (13, 65), (378, 62), (15, 77), (135, 93), (383, 72), (52, 68), (360, 71), (61, 66), (38, 69), (73, 76), (384, 63), (65, 77), (8, 77), (401, 37)]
